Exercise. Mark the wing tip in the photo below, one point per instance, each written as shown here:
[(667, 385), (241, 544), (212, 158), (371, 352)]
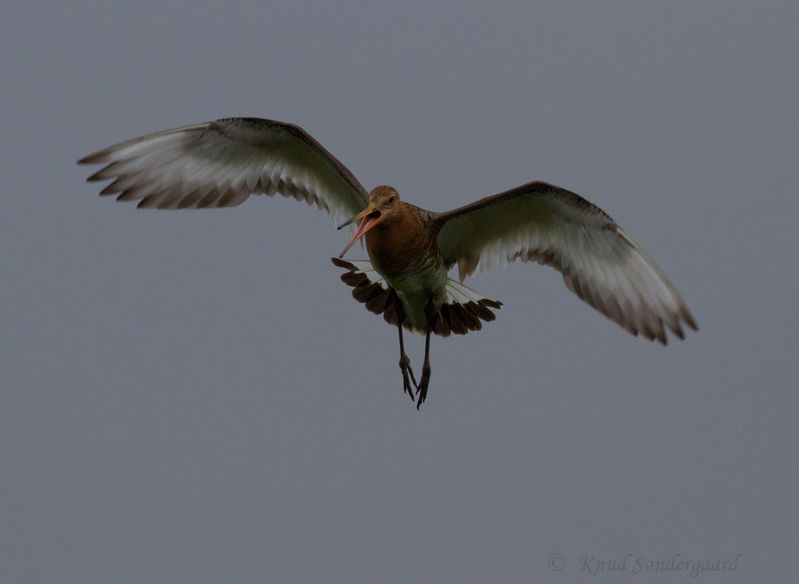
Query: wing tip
[(689, 319), (95, 157), (658, 330)]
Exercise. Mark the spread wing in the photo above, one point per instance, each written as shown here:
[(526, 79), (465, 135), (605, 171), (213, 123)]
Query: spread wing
[(221, 163), (553, 226)]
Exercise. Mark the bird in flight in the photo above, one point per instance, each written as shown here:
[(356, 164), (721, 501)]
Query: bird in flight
[(411, 250)]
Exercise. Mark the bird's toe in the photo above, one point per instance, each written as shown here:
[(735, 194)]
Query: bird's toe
[(407, 376), (422, 387)]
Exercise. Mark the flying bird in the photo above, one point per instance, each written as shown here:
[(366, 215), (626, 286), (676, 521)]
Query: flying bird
[(411, 250)]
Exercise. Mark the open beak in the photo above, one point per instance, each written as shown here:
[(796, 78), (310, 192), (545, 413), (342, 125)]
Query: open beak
[(370, 216)]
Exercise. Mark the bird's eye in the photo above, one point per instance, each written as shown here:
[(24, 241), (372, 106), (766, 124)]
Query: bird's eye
[(391, 199)]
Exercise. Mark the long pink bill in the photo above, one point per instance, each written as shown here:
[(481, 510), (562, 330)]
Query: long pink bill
[(370, 219)]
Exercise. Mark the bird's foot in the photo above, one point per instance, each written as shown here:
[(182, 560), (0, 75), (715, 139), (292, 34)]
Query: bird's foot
[(422, 386), (407, 376)]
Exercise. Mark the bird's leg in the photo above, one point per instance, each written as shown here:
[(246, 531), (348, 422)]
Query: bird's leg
[(405, 366), (425, 380)]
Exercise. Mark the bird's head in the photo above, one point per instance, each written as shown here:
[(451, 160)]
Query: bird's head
[(384, 206)]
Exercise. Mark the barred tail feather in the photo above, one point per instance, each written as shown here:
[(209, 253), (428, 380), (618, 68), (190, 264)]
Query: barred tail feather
[(463, 310)]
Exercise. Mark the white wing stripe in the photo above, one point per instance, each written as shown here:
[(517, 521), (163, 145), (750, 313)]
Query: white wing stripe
[(222, 163), (599, 262)]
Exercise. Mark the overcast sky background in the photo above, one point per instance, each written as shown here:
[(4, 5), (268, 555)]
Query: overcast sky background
[(195, 397)]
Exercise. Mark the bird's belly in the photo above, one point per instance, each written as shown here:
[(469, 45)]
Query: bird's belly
[(415, 288)]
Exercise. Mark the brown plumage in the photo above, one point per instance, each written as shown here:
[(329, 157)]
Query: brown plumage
[(411, 250)]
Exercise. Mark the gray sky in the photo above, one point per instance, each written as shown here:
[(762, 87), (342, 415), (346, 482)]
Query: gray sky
[(195, 397)]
